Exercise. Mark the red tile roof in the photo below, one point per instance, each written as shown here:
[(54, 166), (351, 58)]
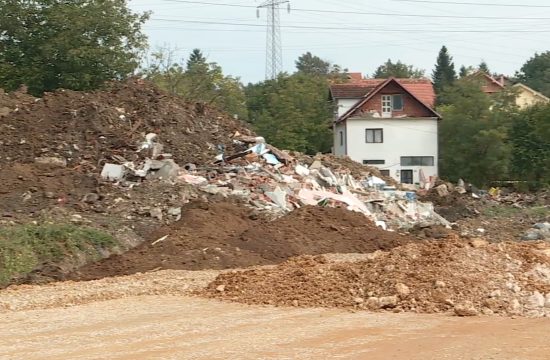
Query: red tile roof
[(417, 88), (356, 76), (357, 89)]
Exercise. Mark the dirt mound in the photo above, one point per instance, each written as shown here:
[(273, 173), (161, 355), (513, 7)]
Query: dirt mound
[(87, 129), (229, 235), (11, 101), (27, 188), (317, 230), (77, 132), (427, 277), (454, 206)]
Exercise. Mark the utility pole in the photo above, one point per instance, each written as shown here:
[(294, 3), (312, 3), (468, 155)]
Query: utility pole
[(274, 51)]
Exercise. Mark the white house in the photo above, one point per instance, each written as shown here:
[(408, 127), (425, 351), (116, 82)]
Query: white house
[(390, 124)]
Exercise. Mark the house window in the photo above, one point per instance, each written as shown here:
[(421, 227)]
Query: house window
[(397, 102), (385, 173), (374, 162), (374, 135), (417, 161), (391, 103), (341, 138), (386, 104)]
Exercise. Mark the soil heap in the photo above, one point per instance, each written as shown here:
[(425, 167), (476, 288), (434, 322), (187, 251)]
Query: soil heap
[(228, 235), (88, 128), (427, 277)]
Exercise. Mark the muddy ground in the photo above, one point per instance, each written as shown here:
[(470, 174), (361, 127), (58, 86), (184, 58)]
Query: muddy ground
[(227, 235)]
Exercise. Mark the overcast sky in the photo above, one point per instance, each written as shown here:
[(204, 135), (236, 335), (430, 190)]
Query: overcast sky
[(369, 33)]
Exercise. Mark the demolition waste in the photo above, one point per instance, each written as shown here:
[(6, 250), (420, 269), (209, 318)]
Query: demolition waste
[(183, 186)]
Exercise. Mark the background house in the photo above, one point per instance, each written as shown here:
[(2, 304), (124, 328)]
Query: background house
[(526, 96), (388, 123)]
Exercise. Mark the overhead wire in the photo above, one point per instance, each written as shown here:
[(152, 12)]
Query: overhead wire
[(375, 28), (474, 4), (366, 12), (355, 28)]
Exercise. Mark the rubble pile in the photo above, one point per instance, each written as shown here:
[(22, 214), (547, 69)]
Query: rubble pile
[(274, 181), (135, 136), (84, 130), (452, 206), (344, 163), (455, 277), (225, 235)]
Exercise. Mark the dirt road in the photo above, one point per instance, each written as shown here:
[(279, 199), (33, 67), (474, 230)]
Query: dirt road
[(181, 327)]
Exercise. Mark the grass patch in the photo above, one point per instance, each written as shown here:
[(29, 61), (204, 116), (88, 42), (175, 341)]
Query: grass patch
[(24, 247)]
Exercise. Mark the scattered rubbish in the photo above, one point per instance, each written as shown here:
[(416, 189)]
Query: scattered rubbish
[(51, 161), (374, 181), (278, 197), (156, 213), (192, 179), (442, 190), (159, 240), (271, 159), (301, 170)]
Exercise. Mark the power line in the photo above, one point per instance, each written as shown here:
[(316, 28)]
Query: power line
[(356, 28), (471, 3), (368, 13), (274, 50)]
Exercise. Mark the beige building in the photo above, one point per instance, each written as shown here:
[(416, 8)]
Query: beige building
[(526, 96), (529, 97)]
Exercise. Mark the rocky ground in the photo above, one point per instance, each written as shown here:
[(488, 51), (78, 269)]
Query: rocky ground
[(97, 321), (451, 276)]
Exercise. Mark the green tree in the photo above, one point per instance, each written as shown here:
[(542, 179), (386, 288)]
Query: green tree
[(444, 73), (473, 134), (465, 71), (312, 65), (484, 67), (292, 112), (165, 71), (531, 148), (201, 81), (397, 70), (79, 44), (196, 58), (535, 73)]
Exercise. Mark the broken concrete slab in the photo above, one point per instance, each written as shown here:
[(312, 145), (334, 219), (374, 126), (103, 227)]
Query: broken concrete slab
[(278, 196), (169, 171), (113, 172)]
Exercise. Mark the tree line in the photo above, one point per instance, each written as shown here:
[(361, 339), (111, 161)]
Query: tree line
[(51, 44)]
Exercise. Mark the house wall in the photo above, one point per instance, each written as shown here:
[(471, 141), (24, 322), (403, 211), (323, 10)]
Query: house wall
[(339, 148), (526, 98), (490, 88), (411, 107), (345, 104), (402, 137)]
